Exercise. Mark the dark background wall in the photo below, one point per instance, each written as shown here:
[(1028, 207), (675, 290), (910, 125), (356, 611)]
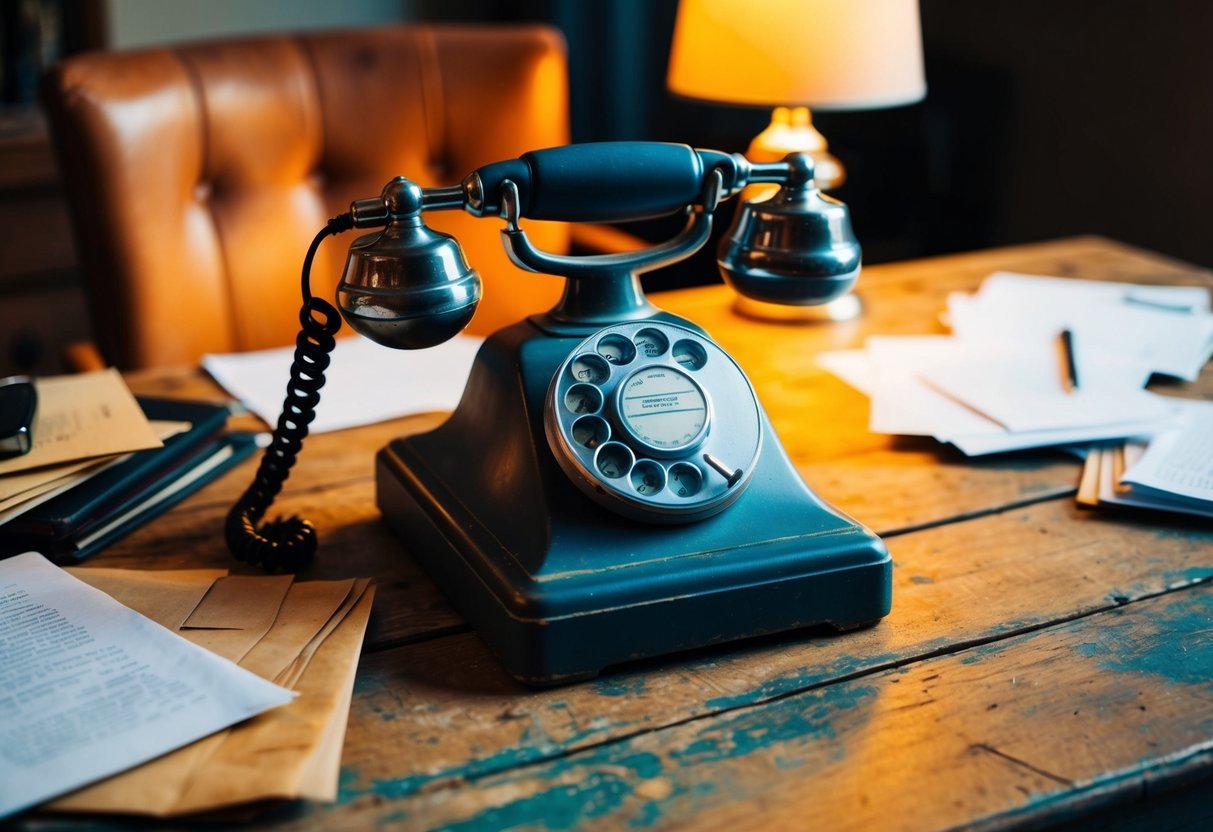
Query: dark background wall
[(1043, 118)]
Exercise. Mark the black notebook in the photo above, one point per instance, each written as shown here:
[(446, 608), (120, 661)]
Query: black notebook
[(89, 516)]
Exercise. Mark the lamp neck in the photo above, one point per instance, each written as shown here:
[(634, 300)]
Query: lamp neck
[(791, 131)]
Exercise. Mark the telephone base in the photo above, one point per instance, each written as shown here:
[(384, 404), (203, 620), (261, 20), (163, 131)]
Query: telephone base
[(560, 588), (550, 628)]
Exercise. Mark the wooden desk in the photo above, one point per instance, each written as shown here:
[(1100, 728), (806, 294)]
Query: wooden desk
[(1040, 661)]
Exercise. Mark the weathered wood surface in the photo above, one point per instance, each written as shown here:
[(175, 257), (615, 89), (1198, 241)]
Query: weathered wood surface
[(954, 586), (1076, 716), (1008, 683)]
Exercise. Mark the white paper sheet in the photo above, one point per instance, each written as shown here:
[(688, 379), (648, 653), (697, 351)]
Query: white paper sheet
[(1024, 392), (1116, 324), (1185, 299), (1179, 462), (365, 382), (996, 443), (889, 369), (996, 384), (903, 404), (89, 687)]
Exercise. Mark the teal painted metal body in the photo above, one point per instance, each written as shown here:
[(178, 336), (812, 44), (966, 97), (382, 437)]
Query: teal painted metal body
[(557, 584), (559, 587)]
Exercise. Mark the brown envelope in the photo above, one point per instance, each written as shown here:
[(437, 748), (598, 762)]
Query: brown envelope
[(84, 416), (314, 629)]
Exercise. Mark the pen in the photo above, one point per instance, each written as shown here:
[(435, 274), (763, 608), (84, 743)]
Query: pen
[(1182, 308), (1065, 354)]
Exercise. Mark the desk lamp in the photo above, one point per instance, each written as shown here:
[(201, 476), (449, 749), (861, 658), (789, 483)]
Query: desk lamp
[(609, 487), (792, 55)]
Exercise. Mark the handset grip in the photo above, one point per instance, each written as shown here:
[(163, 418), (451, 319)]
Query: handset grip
[(602, 181)]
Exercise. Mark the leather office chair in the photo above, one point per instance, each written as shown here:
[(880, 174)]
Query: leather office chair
[(198, 174)]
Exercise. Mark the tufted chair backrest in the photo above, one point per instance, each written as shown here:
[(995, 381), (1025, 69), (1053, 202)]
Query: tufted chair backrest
[(198, 174)]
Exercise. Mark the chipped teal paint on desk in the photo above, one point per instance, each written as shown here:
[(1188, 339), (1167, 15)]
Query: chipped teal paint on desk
[(1042, 665)]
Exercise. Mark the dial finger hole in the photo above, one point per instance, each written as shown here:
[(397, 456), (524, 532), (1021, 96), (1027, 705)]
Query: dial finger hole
[(583, 398), (591, 431), (616, 349), (651, 343), (648, 478), (613, 460), (590, 368), (685, 479)]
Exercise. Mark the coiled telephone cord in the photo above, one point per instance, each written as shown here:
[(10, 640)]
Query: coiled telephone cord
[(286, 544)]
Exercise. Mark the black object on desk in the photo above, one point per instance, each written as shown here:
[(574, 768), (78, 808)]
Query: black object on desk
[(84, 519), (18, 404)]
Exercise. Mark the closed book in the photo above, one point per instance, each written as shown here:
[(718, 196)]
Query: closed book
[(108, 505), (218, 456), (121, 485)]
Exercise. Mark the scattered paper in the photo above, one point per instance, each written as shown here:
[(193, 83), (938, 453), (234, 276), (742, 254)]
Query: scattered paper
[(90, 687), (365, 383), (999, 382), (1023, 393), (84, 416), (995, 443), (852, 366), (1185, 299), (1178, 462), (903, 403), (1166, 330)]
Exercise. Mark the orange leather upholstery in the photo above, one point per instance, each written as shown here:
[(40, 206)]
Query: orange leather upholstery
[(198, 174)]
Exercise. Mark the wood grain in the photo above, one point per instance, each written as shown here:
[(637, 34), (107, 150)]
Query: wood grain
[(1039, 661), (954, 587), (1026, 728)]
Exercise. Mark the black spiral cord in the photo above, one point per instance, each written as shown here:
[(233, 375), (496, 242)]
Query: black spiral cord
[(286, 544)]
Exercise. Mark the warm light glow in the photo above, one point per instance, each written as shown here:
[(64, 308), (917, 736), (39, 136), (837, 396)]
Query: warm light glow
[(824, 54), (791, 131)]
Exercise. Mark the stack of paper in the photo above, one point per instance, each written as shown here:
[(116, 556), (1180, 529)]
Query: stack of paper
[(103, 463), (999, 383), (234, 635), (83, 423), (1171, 472), (91, 687)]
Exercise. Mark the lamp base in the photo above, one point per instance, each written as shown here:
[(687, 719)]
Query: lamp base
[(845, 308)]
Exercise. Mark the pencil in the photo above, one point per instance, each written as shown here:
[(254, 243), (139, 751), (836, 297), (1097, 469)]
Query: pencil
[(1069, 369)]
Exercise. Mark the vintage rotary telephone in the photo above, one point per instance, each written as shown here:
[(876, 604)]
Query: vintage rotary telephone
[(609, 487)]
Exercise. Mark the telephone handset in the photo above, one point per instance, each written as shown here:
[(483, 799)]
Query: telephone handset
[(609, 487)]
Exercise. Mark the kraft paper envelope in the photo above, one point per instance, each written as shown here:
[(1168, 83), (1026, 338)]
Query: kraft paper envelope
[(155, 786), (275, 757), (308, 607), (81, 417), (18, 490), (18, 487), (236, 613), (165, 597), (305, 742), (291, 674)]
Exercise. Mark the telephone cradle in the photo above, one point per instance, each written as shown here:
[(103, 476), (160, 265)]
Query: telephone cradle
[(609, 487)]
